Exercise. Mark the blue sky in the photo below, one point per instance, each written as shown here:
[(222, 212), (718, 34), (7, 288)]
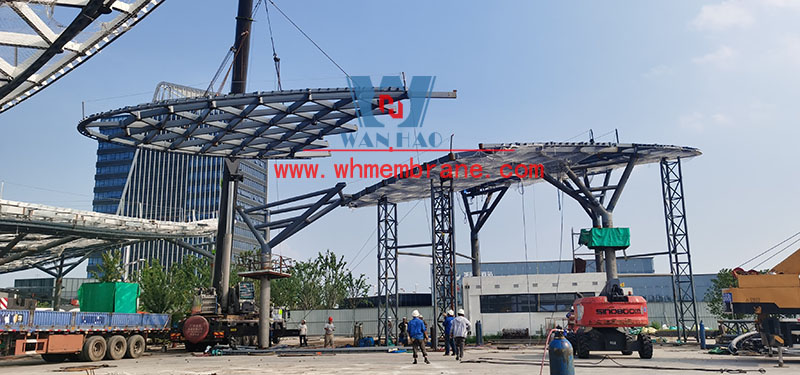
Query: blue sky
[(720, 76)]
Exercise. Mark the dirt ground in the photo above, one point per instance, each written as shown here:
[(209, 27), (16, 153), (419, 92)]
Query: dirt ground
[(509, 360)]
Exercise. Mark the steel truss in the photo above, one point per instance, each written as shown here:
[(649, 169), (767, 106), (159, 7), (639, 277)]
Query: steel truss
[(680, 259), (444, 257), (387, 271), (35, 56), (477, 218), (592, 199)]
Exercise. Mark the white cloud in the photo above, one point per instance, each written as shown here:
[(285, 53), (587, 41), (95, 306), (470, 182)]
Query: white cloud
[(723, 16), (782, 3), (721, 56)]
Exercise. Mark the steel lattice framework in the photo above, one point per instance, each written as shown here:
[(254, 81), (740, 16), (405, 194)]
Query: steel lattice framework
[(274, 124), (34, 235), (680, 258), (444, 257), (387, 271), (42, 40)]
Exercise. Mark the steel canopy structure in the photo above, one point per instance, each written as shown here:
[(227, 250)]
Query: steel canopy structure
[(583, 157), (32, 235), (263, 125), (567, 166), (42, 40)]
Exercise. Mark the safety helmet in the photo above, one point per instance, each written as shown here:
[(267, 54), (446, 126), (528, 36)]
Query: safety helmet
[(450, 312), (330, 318), (460, 311), (415, 313)]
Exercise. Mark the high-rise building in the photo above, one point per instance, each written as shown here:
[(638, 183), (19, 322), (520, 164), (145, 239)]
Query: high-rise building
[(170, 186)]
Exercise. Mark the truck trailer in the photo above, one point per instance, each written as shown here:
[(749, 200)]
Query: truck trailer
[(79, 336)]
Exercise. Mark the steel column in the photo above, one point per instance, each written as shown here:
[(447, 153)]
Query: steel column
[(265, 288), (443, 240), (222, 258), (241, 57), (387, 271), (481, 215), (680, 259)]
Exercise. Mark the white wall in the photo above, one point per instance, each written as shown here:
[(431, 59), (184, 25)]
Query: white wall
[(474, 287), (494, 323)]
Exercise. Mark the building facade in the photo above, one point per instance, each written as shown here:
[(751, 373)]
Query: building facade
[(42, 288), (537, 295), (170, 186)]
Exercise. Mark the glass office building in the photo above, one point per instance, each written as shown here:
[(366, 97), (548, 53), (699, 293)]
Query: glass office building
[(170, 186)]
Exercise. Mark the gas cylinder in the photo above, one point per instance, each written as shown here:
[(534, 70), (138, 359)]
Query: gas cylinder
[(561, 355)]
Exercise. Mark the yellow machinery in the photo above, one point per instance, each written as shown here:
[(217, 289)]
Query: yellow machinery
[(774, 297), (776, 292)]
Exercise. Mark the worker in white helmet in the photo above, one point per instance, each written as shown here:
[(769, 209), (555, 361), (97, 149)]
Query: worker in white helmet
[(416, 330), (461, 327), (403, 326), (449, 343)]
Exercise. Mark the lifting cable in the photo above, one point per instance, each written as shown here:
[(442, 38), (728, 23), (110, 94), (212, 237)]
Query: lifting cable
[(309, 38), (770, 249), (525, 246), (275, 57)]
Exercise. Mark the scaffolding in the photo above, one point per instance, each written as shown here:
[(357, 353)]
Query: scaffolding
[(444, 257), (387, 271), (680, 259)]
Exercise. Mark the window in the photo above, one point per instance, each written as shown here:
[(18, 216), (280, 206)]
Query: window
[(497, 303), (546, 302), (574, 284), (507, 303), (556, 302)]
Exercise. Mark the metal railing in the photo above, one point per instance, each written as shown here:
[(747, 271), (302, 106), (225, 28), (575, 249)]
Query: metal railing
[(251, 262)]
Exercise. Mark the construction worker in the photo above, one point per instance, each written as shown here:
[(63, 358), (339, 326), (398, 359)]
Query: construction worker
[(461, 327), (303, 333), (571, 319), (403, 326), (762, 328), (449, 343), (329, 328), (418, 333)]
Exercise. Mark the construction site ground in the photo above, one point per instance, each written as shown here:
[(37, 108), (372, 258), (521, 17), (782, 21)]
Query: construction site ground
[(490, 359)]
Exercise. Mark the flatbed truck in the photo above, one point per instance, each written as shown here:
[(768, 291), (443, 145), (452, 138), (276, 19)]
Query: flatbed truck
[(80, 336)]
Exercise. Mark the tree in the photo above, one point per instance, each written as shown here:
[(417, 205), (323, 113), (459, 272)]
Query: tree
[(723, 280), (193, 273), (357, 290), (110, 268), (159, 293), (321, 282)]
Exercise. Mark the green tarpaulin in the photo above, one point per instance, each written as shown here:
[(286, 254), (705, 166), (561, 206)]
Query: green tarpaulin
[(606, 238), (108, 297)]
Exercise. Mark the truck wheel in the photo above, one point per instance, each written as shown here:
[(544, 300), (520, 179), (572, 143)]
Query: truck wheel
[(55, 358), (645, 347), (136, 346), (94, 348), (116, 347), (582, 349)]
